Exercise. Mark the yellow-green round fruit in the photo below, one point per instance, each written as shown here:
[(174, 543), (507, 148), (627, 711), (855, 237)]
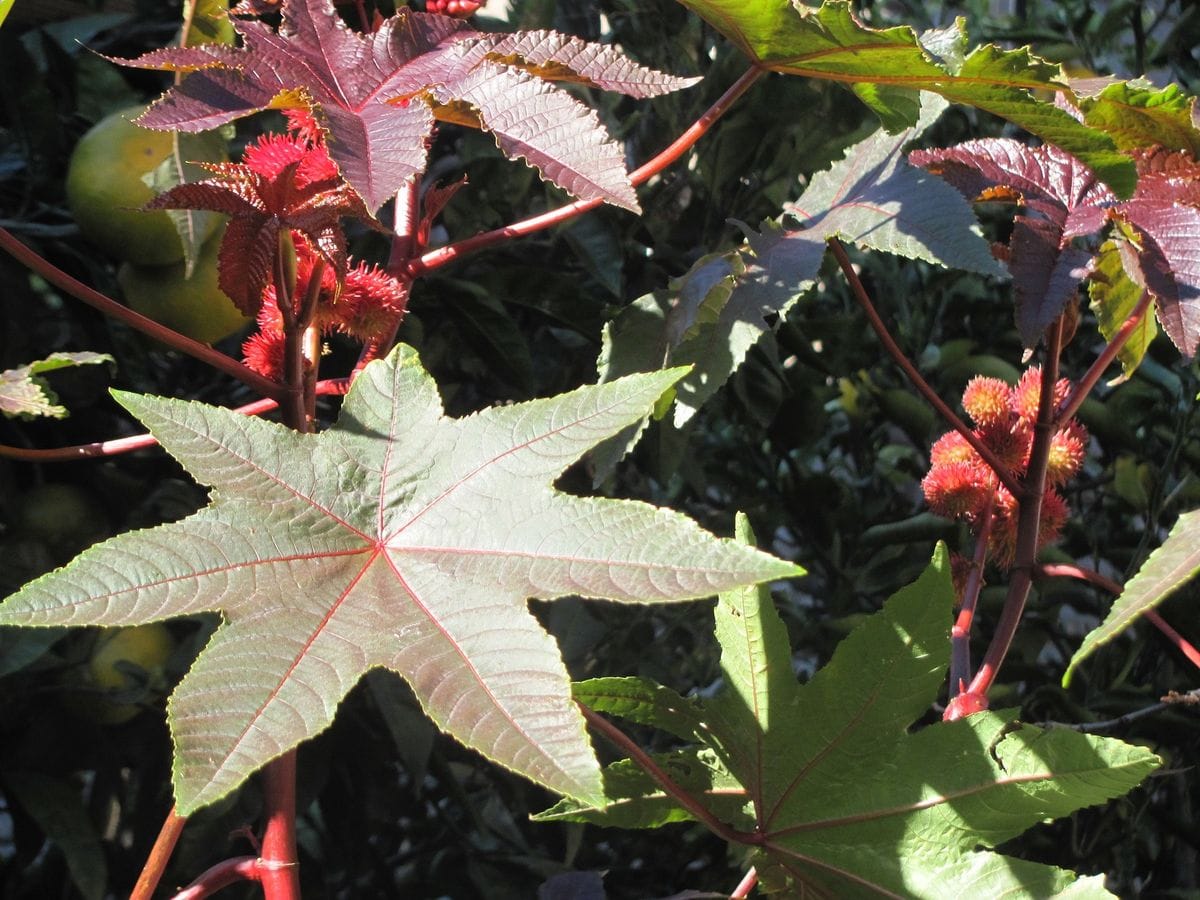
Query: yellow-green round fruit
[(105, 190), (123, 660), (61, 514), (196, 306)]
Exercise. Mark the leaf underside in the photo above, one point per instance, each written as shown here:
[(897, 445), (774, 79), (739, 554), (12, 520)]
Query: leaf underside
[(397, 539), (847, 800)]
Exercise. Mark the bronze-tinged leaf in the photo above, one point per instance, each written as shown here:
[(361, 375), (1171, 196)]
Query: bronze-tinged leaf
[(375, 94)]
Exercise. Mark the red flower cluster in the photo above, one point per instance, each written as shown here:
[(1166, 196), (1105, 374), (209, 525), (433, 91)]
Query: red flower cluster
[(458, 9), (363, 302), (960, 485)]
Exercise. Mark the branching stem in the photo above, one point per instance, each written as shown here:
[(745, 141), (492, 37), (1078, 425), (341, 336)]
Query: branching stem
[(1029, 518), (222, 875), (918, 381), (443, 255), (115, 310)]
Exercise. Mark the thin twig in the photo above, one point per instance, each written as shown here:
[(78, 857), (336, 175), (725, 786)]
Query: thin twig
[(918, 381), (1190, 699), (330, 387), (960, 633), (160, 855), (745, 886), (443, 255), (115, 310)]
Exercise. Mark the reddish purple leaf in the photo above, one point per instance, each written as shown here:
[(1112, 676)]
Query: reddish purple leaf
[(377, 95)]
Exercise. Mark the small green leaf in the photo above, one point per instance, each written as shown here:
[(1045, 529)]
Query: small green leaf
[(23, 393), (1166, 570), (193, 225), (5, 7), (643, 701), (1113, 297)]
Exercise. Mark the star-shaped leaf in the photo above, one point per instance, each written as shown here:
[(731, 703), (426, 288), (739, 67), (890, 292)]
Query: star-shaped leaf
[(831, 781), (399, 539), (377, 95)]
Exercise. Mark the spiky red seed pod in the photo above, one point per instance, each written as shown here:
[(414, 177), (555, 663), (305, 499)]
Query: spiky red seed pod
[(952, 447), (1025, 395), (956, 490), (1010, 441), (1067, 450), (986, 401)]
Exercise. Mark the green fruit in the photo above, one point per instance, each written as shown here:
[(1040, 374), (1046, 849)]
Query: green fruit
[(196, 306), (62, 515), (126, 666), (105, 190)]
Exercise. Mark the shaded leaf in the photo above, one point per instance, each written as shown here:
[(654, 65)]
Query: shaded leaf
[(192, 225), (886, 68), (1167, 569), (399, 538), (849, 800), (59, 812), (1113, 298), (872, 197), (24, 393), (377, 95)]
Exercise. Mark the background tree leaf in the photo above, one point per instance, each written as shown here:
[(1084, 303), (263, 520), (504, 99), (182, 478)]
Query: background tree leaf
[(24, 393), (398, 538), (1167, 569)]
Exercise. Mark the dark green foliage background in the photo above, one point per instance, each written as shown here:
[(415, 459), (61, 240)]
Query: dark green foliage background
[(815, 437)]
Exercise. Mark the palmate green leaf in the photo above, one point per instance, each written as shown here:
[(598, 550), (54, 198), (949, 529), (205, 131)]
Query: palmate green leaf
[(848, 800), (886, 68), (1165, 571), (872, 197), (398, 539)]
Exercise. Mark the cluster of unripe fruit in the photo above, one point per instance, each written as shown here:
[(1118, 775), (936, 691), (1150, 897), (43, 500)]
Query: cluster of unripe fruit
[(960, 485), (106, 191)]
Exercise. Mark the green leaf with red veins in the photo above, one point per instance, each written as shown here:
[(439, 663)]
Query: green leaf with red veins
[(886, 67), (847, 797), (398, 538), (377, 95), (1170, 567)]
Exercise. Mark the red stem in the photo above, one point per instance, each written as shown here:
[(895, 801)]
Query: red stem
[(115, 310), (278, 867), (922, 386), (1182, 644), (1096, 370), (673, 790), (745, 886), (443, 255), (1029, 520), (960, 633), (222, 875), (117, 446), (160, 855)]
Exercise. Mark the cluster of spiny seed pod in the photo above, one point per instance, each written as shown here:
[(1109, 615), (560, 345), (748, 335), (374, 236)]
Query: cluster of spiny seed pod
[(960, 485), (458, 9)]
